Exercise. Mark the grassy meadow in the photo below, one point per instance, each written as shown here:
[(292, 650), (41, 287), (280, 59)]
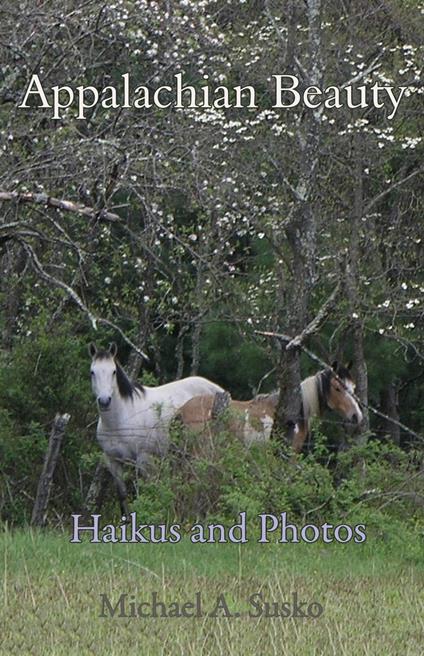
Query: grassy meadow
[(372, 595)]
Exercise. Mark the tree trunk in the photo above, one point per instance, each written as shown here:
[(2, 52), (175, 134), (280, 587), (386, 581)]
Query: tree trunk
[(353, 294), (195, 348), (12, 264), (301, 238), (135, 361), (389, 405), (179, 351), (197, 330)]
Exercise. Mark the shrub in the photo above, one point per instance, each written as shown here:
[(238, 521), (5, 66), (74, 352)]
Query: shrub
[(46, 375), (216, 477)]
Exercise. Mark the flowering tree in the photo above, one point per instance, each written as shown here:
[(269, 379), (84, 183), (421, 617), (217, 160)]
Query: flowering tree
[(156, 221)]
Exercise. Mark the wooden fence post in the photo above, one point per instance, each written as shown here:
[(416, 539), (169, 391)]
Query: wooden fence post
[(39, 511)]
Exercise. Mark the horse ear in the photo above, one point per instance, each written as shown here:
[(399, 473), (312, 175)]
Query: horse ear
[(335, 365), (349, 365), (92, 349), (113, 349)]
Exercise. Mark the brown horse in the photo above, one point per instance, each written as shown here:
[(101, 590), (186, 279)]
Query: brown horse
[(330, 389), (251, 421)]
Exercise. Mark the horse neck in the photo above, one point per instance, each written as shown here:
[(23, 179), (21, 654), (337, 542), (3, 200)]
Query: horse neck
[(311, 398)]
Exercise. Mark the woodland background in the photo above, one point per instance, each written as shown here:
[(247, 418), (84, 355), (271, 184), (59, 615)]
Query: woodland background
[(189, 230)]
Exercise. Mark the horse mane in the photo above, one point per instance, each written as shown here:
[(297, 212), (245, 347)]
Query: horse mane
[(126, 386), (311, 405), (315, 391), (324, 386)]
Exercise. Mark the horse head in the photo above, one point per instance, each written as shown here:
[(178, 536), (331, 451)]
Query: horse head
[(103, 374), (339, 388)]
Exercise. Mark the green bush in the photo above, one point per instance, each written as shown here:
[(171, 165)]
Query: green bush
[(216, 477), (42, 377)]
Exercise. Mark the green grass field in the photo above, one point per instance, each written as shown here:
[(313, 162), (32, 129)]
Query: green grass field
[(372, 595)]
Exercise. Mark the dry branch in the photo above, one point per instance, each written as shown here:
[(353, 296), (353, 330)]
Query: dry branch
[(47, 277), (317, 322), (57, 203)]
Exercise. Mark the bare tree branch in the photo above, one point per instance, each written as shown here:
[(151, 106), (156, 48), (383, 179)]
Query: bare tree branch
[(317, 322), (395, 185), (42, 273), (56, 203), (359, 76)]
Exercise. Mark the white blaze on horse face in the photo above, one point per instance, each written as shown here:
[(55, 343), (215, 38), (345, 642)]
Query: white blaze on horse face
[(103, 380), (350, 386), (354, 410), (358, 411)]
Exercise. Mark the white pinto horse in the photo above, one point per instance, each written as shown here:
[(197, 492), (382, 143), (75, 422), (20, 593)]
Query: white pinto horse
[(134, 419)]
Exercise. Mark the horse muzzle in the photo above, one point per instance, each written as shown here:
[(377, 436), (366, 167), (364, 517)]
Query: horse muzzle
[(356, 419), (104, 402)]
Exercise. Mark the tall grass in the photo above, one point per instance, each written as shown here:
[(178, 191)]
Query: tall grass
[(51, 604)]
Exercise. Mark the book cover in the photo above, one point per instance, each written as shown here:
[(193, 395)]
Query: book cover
[(211, 327)]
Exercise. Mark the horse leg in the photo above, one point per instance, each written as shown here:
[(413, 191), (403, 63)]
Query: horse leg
[(116, 470), (144, 465)]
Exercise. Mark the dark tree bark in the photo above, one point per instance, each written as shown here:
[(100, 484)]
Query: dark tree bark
[(352, 290), (389, 405), (195, 349), (179, 351), (12, 265), (198, 324), (135, 361), (301, 238)]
